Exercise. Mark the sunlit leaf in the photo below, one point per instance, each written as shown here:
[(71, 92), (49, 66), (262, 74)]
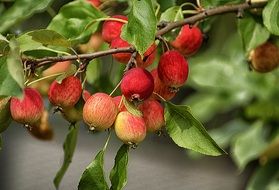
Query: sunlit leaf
[(73, 19), (93, 177), (141, 28), (14, 63), (271, 16), (118, 174), (252, 32), (187, 132), (21, 10)]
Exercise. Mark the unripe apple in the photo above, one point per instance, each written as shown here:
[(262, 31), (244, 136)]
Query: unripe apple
[(74, 114), (129, 128), (28, 110), (42, 130), (95, 3), (173, 69), (65, 94), (42, 86), (99, 111), (148, 57), (188, 40), (160, 88), (112, 29), (93, 44), (58, 67), (117, 101), (265, 57), (120, 43), (137, 84), (5, 114), (153, 115)]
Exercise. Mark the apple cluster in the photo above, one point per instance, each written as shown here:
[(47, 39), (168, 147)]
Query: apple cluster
[(141, 88)]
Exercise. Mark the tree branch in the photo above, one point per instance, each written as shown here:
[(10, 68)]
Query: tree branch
[(167, 27)]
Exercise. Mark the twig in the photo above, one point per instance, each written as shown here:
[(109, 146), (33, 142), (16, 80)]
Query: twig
[(163, 30)]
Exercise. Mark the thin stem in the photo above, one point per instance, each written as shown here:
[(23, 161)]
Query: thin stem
[(105, 19), (83, 82), (107, 141), (163, 99), (189, 4), (43, 78), (208, 13), (165, 43), (115, 88), (157, 8), (199, 4), (190, 12)]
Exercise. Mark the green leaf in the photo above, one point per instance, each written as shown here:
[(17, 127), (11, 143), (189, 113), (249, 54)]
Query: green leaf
[(4, 45), (265, 110), (166, 4), (248, 145), (8, 87), (15, 65), (69, 149), (5, 114), (252, 32), (141, 28), (118, 174), (27, 45), (93, 71), (132, 108), (264, 177), (73, 19), (20, 11), (93, 177), (271, 16), (223, 135), (172, 14), (48, 37), (187, 132)]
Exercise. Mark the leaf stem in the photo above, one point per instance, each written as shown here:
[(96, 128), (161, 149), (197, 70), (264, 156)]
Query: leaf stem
[(107, 141)]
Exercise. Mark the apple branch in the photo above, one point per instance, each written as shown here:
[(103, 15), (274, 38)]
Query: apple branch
[(164, 28)]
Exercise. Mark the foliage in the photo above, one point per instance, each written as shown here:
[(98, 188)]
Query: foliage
[(219, 78)]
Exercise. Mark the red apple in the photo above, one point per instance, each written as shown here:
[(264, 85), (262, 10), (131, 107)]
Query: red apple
[(137, 84), (112, 29), (65, 94), (153, 115), (160, 88), (188, 40), (28, 110), (173, 69)]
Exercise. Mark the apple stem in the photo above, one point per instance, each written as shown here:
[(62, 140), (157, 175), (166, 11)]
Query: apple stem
[(43, 78), (115, 88), (163, 99)]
